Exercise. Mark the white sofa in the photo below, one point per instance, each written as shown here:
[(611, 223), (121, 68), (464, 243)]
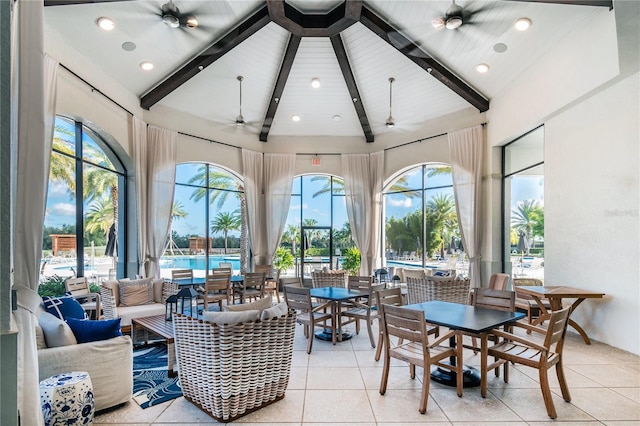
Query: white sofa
[(112, 308), (109, 364)]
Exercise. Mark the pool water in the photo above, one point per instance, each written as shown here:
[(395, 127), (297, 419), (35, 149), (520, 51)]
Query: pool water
[(197, 262)]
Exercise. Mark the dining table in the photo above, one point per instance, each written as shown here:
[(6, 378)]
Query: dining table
[(464, 319), (236, 281), (555, 294), (335, 295)]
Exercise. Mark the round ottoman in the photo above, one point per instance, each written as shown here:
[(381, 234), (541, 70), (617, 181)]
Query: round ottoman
[(67, 399)]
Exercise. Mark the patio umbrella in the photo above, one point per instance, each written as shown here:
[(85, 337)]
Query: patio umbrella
[(112, 242), (523, 243), (452, 245)]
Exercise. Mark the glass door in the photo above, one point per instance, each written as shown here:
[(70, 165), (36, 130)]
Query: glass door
[(317, 249)]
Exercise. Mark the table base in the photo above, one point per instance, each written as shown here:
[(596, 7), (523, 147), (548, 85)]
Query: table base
[(327, 337), (470, 377)]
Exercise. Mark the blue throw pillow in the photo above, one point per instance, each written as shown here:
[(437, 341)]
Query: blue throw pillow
[(441, 273), (91, 331), (64, 307)]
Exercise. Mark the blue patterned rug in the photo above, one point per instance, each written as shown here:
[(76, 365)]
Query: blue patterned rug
[(151, 383)]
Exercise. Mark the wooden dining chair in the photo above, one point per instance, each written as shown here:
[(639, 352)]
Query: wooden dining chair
[(363, 308), (298, 298), (410, 326), (252, 287), (226, 265), (80, 290), (527, 303), (217, 288), (181, 274), (541, 356)]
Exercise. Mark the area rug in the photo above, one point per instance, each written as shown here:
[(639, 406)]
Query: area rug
[(151, 382)]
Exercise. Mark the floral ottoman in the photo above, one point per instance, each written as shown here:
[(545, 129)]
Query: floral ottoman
[(67, 399)]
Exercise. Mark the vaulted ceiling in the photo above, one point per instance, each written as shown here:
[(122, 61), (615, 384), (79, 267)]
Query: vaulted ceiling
[(353, 48)]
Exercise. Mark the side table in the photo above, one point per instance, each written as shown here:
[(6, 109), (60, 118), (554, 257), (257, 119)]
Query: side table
[(67, 399)]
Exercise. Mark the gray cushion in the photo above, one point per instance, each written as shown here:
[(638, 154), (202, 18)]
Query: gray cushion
[(230, 317), (259, 305), (279, 310), (56, 332)]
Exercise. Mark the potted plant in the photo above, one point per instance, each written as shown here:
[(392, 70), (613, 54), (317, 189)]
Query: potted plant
[(351, 260), (283, 259)]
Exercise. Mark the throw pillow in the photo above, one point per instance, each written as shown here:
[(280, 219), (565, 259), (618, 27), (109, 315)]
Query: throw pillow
[(136, 292), (40, 342), (231, 317), (279, 310), (91, 331), (259, 305), (442, 273), (56, 331), (63, 307)]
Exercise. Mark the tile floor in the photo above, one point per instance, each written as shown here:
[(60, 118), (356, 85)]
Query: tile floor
[(339, 385)]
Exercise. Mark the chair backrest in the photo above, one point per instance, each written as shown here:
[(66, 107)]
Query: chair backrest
[(181, 274), (408, 324), (498, 281), (77, 286), (227, 265), (265, 269), (451, 262), (447, 289), (557, 329), (501, 300), (218, 283), (525, 282), (223, 271), (291, 281), (298, 298), (389, 296), (254, 280), (329, 279)]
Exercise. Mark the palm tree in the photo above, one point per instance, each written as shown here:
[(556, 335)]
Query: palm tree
[(443, 208), (99, 216), (400, 185), (523, 216), (292, 235), (177, 212), (225, 222), (221, 185)]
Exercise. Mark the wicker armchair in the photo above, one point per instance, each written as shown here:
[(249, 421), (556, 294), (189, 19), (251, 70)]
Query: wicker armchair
[(336, 278), (230, 370), (438, 288)]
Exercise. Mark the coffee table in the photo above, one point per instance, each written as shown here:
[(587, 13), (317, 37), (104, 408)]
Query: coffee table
[(157, 325)]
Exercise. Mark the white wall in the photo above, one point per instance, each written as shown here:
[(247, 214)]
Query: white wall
[(591, 210)]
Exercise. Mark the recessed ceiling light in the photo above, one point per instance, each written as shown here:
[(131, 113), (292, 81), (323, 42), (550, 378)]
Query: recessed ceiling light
[(106, 24), (482, 68), (499, 47), (523, 24), (336, 118), (315, 82), (147, 66), (295, 117)]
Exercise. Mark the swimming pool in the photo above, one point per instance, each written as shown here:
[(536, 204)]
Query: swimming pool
[(198, 262)]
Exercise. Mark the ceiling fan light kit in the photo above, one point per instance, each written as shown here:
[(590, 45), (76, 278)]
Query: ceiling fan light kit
[(191, 22), (171, 15), (390, 121), (240, 118), (453, 22)]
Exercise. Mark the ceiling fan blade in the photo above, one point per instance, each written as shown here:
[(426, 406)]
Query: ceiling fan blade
[(74, 2)]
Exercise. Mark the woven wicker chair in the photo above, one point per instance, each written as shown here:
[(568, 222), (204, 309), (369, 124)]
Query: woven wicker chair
[(329, 279), (230, 370), (438, 288)]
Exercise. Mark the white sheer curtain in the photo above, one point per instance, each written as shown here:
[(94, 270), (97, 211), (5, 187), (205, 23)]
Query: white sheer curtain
[(466, 147), (363, 196), (34, 80), (253, 172), (278, 178), (155, 184)]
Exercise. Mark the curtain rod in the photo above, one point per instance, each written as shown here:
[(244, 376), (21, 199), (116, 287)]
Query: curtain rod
[(94, 89), (422, 139), (210, 140)]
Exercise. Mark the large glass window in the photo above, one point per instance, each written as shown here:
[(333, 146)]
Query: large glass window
[(523, 189), (206, 221), (317, 231), (81, 233), (421, 224)]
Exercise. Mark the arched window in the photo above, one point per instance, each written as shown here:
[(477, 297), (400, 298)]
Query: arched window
[(85, 205), (207, 221), (421, 224)]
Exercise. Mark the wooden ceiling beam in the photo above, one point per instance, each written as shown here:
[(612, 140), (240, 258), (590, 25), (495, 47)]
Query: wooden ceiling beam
[(215, 51), (349, 79), (301, 24), (283, 75), (408, 48)]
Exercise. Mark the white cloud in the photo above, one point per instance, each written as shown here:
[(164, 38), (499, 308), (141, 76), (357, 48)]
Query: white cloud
[(405, 202), (58, 188), (62, 209)]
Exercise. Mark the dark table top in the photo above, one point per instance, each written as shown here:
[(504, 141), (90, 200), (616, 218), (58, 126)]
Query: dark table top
[(464, 317), (201, 280), (335, 293)]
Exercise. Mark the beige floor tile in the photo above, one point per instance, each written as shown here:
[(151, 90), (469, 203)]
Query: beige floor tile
[(300, 358), (609, 375), (631, 393), (471, 406), (298, 378), (181, 410), (334, 378), (398, 378), (333, 359), (288, 410), (366, 358), (574, 379), (341, 406), (529, 405), (606, 404), (131, 412), (401, 406)]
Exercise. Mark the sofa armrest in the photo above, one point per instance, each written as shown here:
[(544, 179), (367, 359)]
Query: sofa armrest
[(108, 362)]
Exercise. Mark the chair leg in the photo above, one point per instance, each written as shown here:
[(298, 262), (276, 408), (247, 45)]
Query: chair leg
[(483, 366), (546, 392), (459, 365), (563, 382), (370, 330), (426, 381), (385, 373), (310, 337), (379, 348), (412, 371)]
